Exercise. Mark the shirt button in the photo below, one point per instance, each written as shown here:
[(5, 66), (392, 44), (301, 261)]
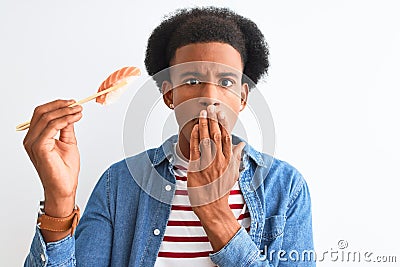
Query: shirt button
[(168, 187), (43, 257), (156, 231)]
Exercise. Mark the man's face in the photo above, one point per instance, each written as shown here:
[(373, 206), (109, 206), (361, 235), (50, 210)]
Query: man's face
[(204, 74)]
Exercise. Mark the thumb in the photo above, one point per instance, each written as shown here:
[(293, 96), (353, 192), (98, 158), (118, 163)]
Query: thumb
[(67, 134), (237, 151)]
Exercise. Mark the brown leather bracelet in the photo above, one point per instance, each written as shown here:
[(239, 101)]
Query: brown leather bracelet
[(54, 224)]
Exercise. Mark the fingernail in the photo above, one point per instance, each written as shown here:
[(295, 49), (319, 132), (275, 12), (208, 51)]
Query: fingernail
[(203, 114), (221, 115), (211, 108)]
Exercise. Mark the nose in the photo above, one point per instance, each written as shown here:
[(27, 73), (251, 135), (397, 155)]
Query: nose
[(209, 95)]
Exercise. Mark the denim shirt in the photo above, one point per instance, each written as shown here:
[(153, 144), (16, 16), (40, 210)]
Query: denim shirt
[(126, 216)]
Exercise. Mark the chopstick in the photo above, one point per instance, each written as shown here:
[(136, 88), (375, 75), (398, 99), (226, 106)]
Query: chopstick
[(25, 125)]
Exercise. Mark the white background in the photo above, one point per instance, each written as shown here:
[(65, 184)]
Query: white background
[(332, 89)]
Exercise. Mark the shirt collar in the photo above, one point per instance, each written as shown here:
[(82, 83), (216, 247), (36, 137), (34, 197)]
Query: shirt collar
[(165, 151)]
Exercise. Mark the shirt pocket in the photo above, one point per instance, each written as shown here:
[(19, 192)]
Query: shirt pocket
[(274, 227), (272, 236)]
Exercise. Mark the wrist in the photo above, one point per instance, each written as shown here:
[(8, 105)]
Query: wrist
[(56, 228), (59, 207)]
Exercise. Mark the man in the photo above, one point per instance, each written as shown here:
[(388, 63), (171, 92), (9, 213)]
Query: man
[(204, 197)]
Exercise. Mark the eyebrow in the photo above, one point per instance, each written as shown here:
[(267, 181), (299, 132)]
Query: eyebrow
[(198, 74), (225, 74), (190, 73)]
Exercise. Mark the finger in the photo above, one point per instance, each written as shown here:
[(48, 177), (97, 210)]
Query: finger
[(203, 125), (47, 117), (54, 126), (205, 142), (237, 151), (40, 110), (194, 143), (225, 135), (237, 157), (67, 134), (36, 129), (215, 132)]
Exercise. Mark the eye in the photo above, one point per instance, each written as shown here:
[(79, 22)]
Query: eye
[(192, 81), (226, 83)]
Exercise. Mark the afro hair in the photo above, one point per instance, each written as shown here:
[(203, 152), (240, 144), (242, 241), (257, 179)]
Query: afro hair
[(208, 24)]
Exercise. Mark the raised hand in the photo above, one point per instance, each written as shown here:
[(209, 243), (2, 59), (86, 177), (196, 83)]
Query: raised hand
[(56, 160), (214, 165), (213, 170)]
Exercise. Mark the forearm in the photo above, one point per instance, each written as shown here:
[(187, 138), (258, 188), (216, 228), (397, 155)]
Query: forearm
[(219, 224)]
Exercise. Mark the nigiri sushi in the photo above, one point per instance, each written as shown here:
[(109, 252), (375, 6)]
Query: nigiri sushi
[(126, 74)]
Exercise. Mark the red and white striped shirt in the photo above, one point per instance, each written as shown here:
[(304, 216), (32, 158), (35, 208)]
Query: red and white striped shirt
[(185, 242)]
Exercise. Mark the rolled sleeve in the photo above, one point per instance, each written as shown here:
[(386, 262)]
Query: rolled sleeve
[(59, 253), (239, 251)]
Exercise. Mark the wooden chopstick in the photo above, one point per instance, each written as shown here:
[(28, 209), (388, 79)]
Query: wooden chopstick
[(25, 125)]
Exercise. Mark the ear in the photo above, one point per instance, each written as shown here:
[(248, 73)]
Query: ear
[(243, 95), (168, 96)]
